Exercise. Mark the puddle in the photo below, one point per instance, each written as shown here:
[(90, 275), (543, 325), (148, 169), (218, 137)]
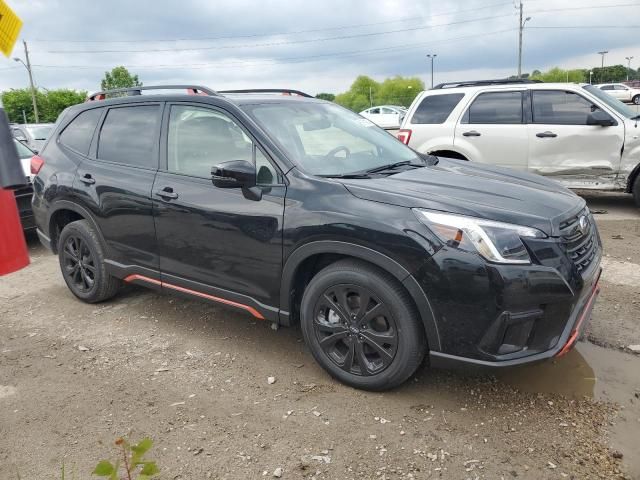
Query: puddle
[(594, 372)]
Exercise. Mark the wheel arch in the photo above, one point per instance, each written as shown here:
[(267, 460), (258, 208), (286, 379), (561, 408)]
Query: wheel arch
[(448, 153), (63, 212), (310, 258)]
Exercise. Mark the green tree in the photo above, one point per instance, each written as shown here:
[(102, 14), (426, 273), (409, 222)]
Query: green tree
[(612, 73), (119, 77), (50, 103), (366, 92), (326, 96), (557, 74)]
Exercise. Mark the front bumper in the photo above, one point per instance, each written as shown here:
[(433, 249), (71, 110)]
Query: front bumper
[(575, 326)]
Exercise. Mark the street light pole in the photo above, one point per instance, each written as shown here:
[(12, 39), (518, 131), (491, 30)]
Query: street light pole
[(602, 54), (33, 88), (520, 30), (432, 56), (628, 59)]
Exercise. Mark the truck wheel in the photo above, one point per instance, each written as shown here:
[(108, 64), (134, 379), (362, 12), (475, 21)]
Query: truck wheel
[(82, 263), (361, 326)]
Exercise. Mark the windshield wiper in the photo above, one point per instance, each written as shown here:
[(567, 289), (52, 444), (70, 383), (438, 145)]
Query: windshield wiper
[(392, 166), (346, 175)]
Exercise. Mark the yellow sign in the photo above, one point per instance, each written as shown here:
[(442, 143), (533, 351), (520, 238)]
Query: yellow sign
[(10, 26)]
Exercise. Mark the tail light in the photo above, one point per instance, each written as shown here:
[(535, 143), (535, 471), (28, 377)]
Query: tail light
[(404, 135), (36, 164)]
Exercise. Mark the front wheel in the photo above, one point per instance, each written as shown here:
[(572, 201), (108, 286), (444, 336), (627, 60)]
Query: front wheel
[(361, 326)]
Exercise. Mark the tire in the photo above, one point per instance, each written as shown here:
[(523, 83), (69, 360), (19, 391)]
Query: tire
[(85, 273), (635, 190), (636, 100), (385, 340)]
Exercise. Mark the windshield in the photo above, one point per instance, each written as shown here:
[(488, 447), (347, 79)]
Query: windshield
[(328, 140), (23, 152), (612, 102), (40, 133)]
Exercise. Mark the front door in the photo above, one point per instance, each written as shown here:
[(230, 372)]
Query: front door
[(492, 130), (563, 146), (218, 243)]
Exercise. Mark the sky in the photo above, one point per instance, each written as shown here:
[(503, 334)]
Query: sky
[(314, 46)]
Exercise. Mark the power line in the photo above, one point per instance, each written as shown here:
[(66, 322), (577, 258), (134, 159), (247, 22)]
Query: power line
[(593, 7), (289, 42), (276, 34), (298, 59), (585, 27)]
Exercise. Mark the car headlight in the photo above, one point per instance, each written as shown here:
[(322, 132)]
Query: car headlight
[(495, 241)]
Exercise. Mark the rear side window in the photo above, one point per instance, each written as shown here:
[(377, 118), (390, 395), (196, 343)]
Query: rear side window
[(496, 107), (436, 108), (557, 107), (129, 135), (78, 134), (607, 87)]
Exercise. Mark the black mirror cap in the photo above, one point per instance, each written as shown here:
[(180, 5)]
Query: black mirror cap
[(601, 118), (234, 174)]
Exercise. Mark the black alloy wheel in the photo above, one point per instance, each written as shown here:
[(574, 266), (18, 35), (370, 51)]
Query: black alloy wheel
[(79, 264), (355, 329)]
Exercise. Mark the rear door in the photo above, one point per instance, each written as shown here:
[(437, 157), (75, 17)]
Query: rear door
[(217, 242), (562, 145), (492, 130), (622, 92), (115, 183)]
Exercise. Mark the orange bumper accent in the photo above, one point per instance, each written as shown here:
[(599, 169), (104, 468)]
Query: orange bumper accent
[(573, 338)]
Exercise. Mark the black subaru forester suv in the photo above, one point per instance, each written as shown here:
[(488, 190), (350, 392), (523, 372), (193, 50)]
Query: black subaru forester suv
[(299, 211)]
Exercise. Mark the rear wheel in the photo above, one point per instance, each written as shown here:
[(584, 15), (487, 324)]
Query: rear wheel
[(636, 100), (82, 263), (361, 326), (635, 190)]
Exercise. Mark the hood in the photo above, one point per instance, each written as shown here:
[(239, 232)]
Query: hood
[(494, 193)]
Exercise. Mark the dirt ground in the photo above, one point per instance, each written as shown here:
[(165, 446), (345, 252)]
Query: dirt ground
[(193, 377)]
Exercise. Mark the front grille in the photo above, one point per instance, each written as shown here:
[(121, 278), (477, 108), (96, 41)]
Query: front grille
[(580, 240)]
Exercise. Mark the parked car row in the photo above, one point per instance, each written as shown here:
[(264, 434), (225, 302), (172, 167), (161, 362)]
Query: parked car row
[(624, 93), (385, 116), (575, 134)]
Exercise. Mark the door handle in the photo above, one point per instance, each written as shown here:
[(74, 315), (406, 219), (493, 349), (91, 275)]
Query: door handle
[(471, 133), (167, 193), (546, 134), (87, 179)]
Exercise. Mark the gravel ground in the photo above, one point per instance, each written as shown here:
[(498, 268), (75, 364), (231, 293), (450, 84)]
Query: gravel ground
[(193, 377)]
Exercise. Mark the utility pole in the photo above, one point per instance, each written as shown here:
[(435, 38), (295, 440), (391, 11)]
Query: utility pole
[(432, 56), (33, 88), (520, 29), (370, 97), (602, 54), (628, 59)]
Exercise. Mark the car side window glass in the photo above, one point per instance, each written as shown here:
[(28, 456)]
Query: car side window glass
[(386, 111), (436, 108), (129, 135), (200, 138), (606, 87), (496, 108), (556, 107), (374, 111), (266, 174), (78, 134), (621, 87)]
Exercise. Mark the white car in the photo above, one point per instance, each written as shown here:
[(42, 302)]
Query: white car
[(574, 133), (385, 116), (622, 92)]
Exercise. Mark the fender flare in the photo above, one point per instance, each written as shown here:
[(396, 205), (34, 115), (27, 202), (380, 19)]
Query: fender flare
[(374, 257), (74, 207)]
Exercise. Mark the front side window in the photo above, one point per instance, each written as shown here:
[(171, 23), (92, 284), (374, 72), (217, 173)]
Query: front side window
[(78, 134), (556, 107), (129, 135), (200, 138), (328, 140), (435, 109), (496, 108), (606, 87)]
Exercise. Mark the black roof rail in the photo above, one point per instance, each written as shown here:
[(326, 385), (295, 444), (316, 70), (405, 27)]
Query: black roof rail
[(477, 83), (284, 91), (132, 91)]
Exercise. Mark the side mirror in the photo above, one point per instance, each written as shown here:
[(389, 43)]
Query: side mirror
[(234, 174), (598, 117)]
